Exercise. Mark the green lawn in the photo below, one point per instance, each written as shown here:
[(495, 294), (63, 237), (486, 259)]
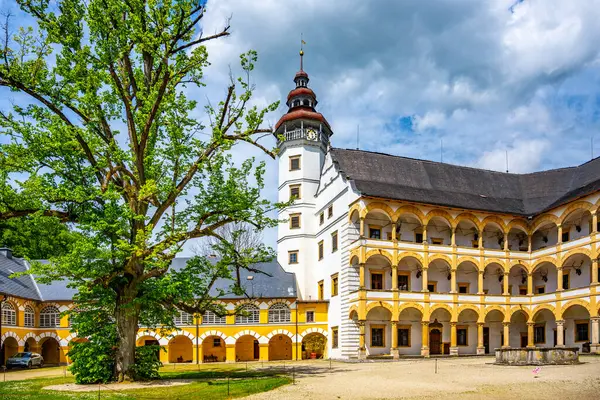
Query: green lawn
[(209, 383)]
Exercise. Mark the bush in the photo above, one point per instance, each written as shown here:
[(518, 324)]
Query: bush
[(93, 362), (147, 363)]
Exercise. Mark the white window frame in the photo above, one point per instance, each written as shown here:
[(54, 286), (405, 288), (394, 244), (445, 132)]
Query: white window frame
[(9, 315), (252, 315), (279, 313), (210, 318), (49, 317)]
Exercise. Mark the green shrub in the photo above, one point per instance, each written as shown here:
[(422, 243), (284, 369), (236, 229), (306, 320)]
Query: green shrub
[(147, 362), (93, 362)]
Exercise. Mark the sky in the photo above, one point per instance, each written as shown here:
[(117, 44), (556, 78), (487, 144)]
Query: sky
[(478, 79)]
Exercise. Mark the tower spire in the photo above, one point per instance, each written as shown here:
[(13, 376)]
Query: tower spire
[(302, 43)]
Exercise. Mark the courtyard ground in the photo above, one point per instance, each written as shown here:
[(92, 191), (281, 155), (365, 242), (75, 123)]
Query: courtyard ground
[(457, 378)]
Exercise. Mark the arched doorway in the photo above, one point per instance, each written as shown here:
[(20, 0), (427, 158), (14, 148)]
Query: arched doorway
[(280, 348), (150, 341), (493, 331), (10, 347), (31, 345), (213, 349), (378, 331), (314, 346), (577, 327), (181, 350), (409, 331), (439, 332), (50, 350), (435, 337), (247, 348), (518, 329)]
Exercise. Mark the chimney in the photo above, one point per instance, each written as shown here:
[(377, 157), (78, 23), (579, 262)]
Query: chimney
[(6, 252)]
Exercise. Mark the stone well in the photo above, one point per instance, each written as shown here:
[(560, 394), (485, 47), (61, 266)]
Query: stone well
[(537, 356)]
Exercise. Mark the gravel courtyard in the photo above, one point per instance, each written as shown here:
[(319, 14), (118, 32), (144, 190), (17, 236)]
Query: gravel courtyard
[(457, 378)]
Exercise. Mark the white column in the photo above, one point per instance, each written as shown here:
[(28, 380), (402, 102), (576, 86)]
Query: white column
[(560, 333)]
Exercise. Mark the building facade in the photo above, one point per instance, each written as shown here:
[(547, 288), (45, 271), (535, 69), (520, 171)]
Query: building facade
[(421, 258), (380, 256)]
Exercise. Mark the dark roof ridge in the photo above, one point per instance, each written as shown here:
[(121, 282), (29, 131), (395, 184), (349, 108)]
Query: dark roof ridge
[(469, 167)]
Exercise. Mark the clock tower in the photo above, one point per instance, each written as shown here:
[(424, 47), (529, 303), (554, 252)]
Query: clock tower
[(303, 140)]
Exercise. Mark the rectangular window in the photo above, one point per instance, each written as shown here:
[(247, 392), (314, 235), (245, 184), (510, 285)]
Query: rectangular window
[(294, 221), (330, 211), (565, 279), (294, 163), (334, 242), (374, 232), (217, 342), (321, 290), (404, 336), (540, 289), (539, 334), (461, 336), (582, 331), (418, 238), (565, 236), (522, 290), (210, 318), (321, 219), (377, 336), (294, 192), (376, 281), (293, 257), (310, 316), (321, 250), (28, 318), (437, 241), (334, 285), (432, 286), (334, 337), (463, 287), (403, 282)]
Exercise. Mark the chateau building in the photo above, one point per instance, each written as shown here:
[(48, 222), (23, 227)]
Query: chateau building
[(380, 256)]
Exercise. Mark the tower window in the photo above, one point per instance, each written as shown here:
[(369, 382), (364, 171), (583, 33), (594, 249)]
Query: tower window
[(321, 218), (330, 211), (295, 163), (294, 192), (294, 221), (293, 257), (306, 103), (321, 250)]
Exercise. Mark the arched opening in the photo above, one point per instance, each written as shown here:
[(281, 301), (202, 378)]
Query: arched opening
[(409, 228), (493, 236), (148, 340), (279, 313), (378, 273), (439, 231), (518, 329), (577, 271), (493, 275), (517, 239), (50, 350), (378, 225), (49, 317), (439, 276), (576, 225), (410, 275), (544, 278), (439, 332), (577, 329), (247, 348), (545, 235), (378, 331), (9, 314), (517, 280), (467, 234), (467, 278), (314, 346), (493, 331), (544, 330), (10, 347), (213, 349), (31, 345), (466, 332), (409, 331), (280, 348), (354, 226), (181, 350)]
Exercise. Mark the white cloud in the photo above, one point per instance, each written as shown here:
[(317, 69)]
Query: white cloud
[(523, 156)]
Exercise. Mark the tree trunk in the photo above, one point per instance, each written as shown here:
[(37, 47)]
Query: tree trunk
[(127, 317)]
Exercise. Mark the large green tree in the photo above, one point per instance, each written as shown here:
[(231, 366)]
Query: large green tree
[(103, 137)]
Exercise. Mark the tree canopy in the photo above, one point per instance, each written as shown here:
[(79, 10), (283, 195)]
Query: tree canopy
[(104, 138)]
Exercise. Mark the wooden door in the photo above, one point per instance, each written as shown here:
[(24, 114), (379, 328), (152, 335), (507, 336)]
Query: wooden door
[(256, 350), (523, 340), (435, 340)]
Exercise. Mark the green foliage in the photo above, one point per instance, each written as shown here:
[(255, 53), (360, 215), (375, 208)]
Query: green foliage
[(147, 362), (93, 362), (104, 139)]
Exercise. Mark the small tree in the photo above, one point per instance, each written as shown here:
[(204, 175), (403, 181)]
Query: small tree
[(103, 138)]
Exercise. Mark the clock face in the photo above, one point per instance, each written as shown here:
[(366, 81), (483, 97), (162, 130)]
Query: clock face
[(311, 135)]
